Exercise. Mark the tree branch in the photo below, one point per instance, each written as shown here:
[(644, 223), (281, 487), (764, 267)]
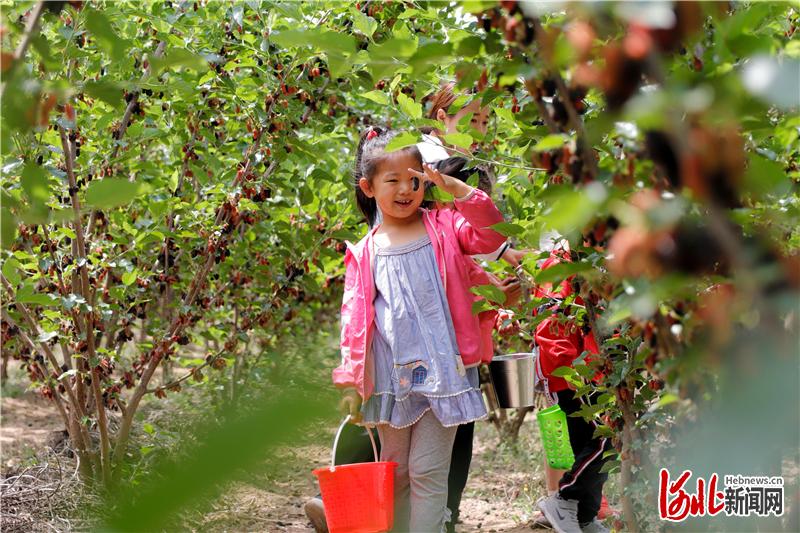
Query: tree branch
[(102, 421), (123, 127), (31, 29), (575, 121)]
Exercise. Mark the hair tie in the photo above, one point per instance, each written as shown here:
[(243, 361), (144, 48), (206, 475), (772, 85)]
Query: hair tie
[(372, 134)]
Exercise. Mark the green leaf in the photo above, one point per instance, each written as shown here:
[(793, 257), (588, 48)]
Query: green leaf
[(8, 228), (571, 210), (379, 97), (508, 229), (178, 57), (111, 192), (107, 91), (364, 24), (327, 41), (550, 142), (28, 295), (12, 271), (481, 306), (477, 6), (34, 182), (560, 272), (667, 399), (401, 141), (129, 277), (101, 28), (462, 140), (490, 292), (764, 176), (564, 371), (392, 49), (409, 106), (429, 55), (610, 467)]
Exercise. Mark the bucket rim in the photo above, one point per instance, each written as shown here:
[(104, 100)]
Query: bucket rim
[(547, 410), (318, 471), (514, 356)]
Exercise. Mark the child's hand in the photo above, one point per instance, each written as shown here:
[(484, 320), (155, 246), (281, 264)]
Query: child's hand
[(514, 257), (448, 184), (512, 288), (507, 330), (350, 404)]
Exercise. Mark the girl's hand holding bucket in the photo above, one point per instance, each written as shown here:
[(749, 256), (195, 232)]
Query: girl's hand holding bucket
[(350, 404)]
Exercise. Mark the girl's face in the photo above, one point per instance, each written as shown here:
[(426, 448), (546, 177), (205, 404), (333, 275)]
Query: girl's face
[(479, 120), (396, 191)]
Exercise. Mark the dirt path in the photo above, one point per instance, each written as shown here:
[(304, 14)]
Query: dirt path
[(500, 497), (28, 423)]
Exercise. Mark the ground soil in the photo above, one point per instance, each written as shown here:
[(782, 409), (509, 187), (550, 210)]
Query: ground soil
[(505, 482)]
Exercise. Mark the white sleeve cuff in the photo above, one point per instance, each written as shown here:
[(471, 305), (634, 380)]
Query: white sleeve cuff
[(467, 196), (494, 256)]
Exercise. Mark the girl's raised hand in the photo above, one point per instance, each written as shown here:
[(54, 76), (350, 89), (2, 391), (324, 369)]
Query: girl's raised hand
[(449, 184)]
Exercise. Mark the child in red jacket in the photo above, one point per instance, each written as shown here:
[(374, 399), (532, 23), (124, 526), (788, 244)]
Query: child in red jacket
[(575, 505)]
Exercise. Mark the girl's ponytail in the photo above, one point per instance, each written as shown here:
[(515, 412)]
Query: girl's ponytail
[(366, 205)]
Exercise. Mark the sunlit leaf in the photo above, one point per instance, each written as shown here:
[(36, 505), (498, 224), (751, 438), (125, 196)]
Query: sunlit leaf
[(409, 107), (111, 192), (401, 141)]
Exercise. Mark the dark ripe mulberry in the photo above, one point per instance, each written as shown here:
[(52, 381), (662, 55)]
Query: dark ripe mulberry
[(559, 112), (659, 148), (577, 92), (621, 77), (698, 252), (530, 33), (575, 168), (55, 6), (548, 87)]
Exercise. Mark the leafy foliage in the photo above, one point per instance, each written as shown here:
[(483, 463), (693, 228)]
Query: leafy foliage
[(175, 191)]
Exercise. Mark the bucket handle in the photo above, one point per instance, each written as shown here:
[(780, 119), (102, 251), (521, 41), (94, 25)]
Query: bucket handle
[(339, 434)]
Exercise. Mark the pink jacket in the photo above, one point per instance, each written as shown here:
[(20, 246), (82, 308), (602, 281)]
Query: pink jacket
[(456, 234)]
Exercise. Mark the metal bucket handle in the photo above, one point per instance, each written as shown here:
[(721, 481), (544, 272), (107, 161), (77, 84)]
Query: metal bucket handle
[(336, 443)]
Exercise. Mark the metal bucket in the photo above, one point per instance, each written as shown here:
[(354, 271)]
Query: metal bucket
[(514, 378)]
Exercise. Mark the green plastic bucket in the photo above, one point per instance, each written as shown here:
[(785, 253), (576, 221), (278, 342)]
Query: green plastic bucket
[(555, 437)]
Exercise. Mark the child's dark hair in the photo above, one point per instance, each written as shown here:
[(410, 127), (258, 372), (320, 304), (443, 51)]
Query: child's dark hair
[(369, 154)]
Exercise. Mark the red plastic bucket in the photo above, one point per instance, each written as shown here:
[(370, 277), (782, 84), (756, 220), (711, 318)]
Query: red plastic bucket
[(358, 498)]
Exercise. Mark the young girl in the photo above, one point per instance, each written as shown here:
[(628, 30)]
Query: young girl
[(410, 343)]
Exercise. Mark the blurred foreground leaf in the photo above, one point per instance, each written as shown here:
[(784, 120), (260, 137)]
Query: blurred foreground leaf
[(226, 452)]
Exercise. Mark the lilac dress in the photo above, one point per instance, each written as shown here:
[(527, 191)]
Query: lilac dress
[(416, 361)]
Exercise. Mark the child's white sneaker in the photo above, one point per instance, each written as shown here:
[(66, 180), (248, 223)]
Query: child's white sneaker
[(315, 511), (595, 526), (562, 514)]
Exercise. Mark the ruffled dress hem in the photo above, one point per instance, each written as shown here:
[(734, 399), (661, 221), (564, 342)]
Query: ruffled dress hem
[(450, 409)]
